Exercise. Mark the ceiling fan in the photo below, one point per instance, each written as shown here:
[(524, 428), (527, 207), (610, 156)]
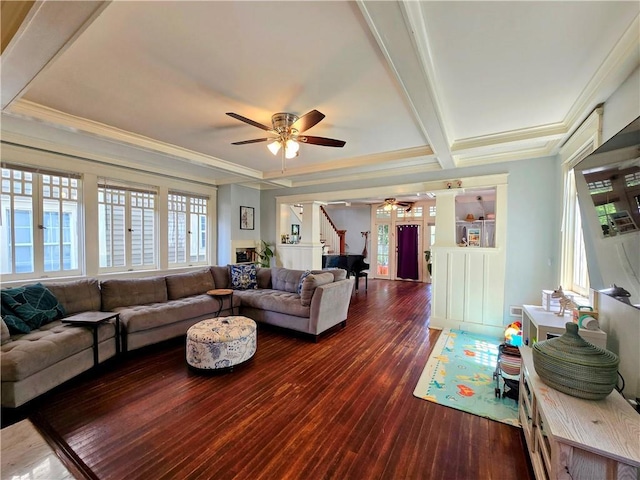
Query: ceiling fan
[(287, 129), (393, 204)]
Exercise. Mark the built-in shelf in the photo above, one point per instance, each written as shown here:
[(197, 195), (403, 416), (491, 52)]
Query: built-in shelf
[(476, 233)]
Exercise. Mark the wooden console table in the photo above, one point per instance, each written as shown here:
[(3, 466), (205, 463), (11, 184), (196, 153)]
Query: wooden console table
[(572, 438)]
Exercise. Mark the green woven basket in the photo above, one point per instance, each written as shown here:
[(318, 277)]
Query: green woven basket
[(576, 367)]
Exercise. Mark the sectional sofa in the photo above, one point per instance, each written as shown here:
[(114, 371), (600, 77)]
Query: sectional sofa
[(154, 309)]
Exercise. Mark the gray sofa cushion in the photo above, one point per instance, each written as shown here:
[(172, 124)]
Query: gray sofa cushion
[(310, 284), (51, 343), (285, 279), (338, 273), (138, 291), (221, 277), (77, 296), (137, 318), (182, 285), (264, 277), (274, 301)]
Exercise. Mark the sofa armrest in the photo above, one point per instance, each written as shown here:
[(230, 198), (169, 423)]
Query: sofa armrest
[(330, 305)]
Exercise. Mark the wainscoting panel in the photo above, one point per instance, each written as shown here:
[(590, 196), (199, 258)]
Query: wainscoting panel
[(473, 295)]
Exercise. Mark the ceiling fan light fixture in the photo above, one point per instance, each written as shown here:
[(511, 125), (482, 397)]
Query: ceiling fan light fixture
[(274, 146), (291, 148)]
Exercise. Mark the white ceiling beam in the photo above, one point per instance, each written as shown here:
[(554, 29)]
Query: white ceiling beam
[(398, 46), (365, 161)]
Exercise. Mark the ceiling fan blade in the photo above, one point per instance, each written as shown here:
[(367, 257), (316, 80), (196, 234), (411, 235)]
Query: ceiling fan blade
[(325, 142), (308, 120), (249, 121), (255, 140)]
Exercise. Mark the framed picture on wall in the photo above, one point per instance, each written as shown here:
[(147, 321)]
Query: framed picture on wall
[(295, 229), (246, 218)]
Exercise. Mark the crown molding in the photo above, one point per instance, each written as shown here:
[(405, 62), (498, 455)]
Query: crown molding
[(61, 120), (523, 154), (584, 140), (22, 149), (397, 171), (552, 131)]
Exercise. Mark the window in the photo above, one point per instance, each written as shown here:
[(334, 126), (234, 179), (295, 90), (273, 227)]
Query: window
[(187, 229), (127, 228), (39, 212), (382, 213), (383, 250), (574, 274), (415, 212)]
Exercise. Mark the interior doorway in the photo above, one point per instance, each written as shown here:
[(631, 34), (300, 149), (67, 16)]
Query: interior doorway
[(400, 239)]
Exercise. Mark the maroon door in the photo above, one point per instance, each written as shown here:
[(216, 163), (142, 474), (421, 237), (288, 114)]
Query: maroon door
[(407, 236)]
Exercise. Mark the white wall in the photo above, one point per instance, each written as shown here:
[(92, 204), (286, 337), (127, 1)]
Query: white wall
[(622, 106), (230, 199)]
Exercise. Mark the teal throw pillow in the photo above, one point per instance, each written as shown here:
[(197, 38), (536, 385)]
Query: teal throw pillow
[(14, 324), (244, 277), (302, 277), (34, 304)]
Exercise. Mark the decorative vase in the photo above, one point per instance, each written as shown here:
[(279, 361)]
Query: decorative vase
[(576, 367)]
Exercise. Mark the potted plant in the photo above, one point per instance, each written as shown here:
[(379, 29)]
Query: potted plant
[(427, 257), (265, 254)]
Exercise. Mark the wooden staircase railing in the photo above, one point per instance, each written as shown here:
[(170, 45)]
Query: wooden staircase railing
[(330, 235)]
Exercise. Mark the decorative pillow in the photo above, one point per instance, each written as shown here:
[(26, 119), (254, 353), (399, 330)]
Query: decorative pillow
[(34, 304), (311, 283), (15, 325), (302, 277), (243, 277)]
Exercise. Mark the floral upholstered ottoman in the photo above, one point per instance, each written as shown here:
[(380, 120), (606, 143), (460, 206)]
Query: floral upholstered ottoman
[(222, 342)]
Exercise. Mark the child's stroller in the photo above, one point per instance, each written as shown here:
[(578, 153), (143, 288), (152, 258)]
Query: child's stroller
[(507, 373)]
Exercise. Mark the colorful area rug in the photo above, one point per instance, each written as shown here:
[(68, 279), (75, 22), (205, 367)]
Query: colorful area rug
[(459, 374)]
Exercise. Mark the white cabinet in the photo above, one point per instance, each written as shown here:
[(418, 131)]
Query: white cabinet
[(572, 438), (539, 324)]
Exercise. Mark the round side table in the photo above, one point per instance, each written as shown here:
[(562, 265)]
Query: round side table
[(220, 294)]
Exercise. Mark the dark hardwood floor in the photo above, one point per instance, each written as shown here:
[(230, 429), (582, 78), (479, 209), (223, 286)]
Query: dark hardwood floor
[(342, 408)]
